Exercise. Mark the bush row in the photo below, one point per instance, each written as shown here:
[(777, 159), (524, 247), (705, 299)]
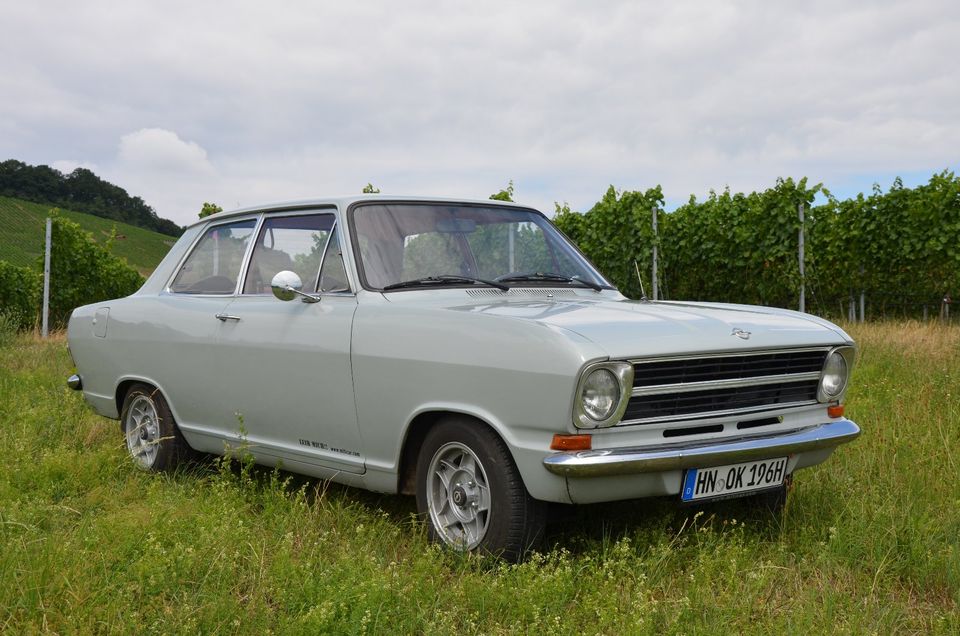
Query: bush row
[(901, 248)]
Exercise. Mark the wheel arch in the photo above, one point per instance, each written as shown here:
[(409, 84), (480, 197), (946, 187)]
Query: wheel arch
[(416, 431), (123, 387)]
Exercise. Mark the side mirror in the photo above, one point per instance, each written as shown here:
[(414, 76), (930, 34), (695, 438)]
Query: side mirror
[(286, 285)]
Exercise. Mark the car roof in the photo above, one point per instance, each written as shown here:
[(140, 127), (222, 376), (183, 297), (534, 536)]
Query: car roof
[(344, 201)]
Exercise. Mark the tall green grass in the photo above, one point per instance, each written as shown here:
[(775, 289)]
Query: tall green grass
[(868, 544)]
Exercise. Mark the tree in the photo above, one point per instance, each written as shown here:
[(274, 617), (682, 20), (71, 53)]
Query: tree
[(504, 195), (208, 209), (370, 189)]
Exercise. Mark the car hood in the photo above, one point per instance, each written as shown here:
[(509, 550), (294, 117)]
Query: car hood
[(627, 328)]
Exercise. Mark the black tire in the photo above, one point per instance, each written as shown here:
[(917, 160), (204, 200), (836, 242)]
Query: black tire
[(513, 521), (152, 437)]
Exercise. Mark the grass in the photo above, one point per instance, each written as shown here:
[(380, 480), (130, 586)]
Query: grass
[(22, 240), (868, 544)]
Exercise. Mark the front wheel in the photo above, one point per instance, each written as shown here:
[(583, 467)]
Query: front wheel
[(472, 496)]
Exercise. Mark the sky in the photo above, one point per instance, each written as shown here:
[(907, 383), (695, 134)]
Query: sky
[(245, 103)]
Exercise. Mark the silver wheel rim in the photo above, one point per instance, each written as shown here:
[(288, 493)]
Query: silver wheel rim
[(142, 428), (458, 496)]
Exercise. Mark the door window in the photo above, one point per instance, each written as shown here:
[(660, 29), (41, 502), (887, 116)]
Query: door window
[(214, 264), (294, 243)]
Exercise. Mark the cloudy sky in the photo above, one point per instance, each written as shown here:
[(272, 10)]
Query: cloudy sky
[(247, 102)]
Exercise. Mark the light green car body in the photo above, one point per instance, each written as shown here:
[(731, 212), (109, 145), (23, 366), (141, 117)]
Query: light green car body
[(345, 388)]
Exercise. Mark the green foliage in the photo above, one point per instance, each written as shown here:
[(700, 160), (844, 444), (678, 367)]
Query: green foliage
[(21, 292), (615, 233), (370, 189), (9, 326), (904, 243), (80, 190), (23, 223), (901, 248), (504, 195), (83, 272), (208, 209), (737, 247)]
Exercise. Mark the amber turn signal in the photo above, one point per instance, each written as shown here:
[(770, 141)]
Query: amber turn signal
[(571, 442), (835, 411)]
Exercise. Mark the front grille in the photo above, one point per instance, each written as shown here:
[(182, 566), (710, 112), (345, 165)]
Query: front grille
[(721, 385), (728, 367)]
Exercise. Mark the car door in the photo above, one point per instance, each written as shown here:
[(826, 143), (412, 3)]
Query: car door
[(179, 329), (291, 389)]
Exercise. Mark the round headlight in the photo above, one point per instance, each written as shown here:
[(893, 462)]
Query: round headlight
[(600, 394), (834, 377)]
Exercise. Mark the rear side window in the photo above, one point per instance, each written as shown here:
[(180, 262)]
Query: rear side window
[(294, 243), (214, 264)]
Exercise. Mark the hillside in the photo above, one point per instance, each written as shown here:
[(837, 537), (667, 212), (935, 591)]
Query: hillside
[(21, 238), (80, 191)]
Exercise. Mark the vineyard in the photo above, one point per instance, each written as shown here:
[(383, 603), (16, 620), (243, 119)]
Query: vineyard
[(900, 249)]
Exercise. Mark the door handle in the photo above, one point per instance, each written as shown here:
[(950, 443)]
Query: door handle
[(226, 317)]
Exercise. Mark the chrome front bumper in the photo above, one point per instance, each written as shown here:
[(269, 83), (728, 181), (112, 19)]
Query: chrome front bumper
[(653, 459)]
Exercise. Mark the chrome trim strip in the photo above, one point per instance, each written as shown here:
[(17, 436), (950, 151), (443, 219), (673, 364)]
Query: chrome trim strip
[(731, 383), (728, 354), (248, 255), (651, 459), (704, 415), (323, 256)]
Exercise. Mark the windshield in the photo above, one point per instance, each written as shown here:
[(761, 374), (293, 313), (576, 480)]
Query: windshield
[(400, 242)]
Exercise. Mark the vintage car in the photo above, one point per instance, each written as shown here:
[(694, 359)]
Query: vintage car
[(462, 351)]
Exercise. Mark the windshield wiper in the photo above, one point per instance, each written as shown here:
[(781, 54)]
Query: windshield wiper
[(445, 279), (547, 277)]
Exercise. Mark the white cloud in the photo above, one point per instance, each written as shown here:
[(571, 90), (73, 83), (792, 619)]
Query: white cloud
[(255, 104), (165, 170), (156, 149)]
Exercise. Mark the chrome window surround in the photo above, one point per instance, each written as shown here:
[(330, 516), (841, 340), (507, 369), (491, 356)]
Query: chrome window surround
[(849, 354), (260, 218), (623, 372), (689, 387)]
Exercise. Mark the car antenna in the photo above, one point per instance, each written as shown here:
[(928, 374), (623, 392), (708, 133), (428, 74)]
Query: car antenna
[(643, 294)]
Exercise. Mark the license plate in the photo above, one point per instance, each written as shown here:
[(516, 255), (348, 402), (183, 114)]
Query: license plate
[(705, 483)]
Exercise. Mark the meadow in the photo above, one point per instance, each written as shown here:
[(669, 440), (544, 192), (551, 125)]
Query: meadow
[(869, 542)]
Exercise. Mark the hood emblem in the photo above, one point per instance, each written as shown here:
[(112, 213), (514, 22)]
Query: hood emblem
[(740, 333)]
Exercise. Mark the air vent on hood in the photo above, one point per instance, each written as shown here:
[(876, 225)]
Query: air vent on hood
[(521, 291)]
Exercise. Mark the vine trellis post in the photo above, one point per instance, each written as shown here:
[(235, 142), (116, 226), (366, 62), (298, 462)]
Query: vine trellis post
[(654, 272), (803, 290)]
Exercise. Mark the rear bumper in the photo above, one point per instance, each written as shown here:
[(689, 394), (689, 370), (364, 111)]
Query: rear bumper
[(654, 459)]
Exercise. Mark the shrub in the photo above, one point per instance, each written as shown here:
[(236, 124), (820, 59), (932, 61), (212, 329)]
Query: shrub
[(83, 272), (21, 290)]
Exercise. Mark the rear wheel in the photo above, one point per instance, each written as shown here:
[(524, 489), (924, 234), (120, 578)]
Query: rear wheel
[(471, 495), (153, 439)]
